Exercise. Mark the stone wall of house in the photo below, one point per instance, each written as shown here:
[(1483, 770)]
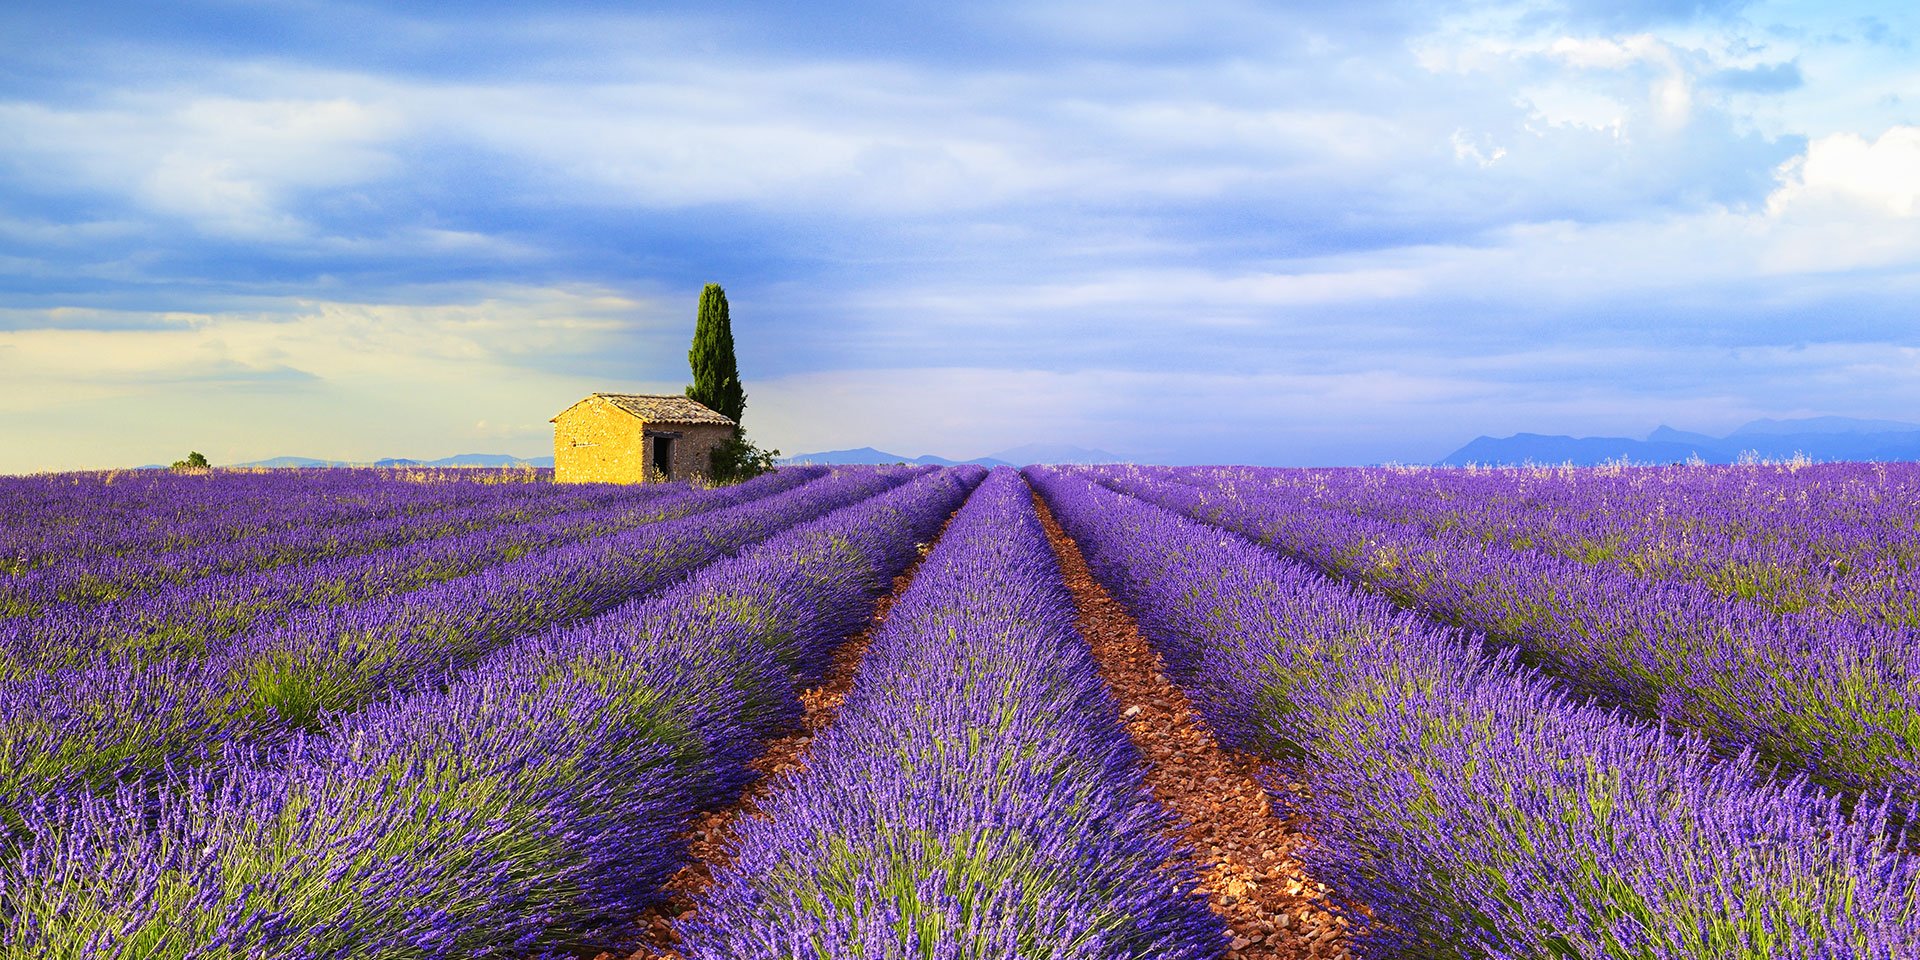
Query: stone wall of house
[(693, 448), (597, 442)]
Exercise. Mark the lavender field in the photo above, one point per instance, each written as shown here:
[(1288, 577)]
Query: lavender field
[(1634, 713)]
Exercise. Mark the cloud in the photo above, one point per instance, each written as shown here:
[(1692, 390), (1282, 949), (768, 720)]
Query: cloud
[(1304, 416), (1279, 109), (1766, 78), (1846, 170), (225, 165), (1621, 15), (1670, 88), (1849, 205), (1594, 127), (1334, 222), (367, 379)]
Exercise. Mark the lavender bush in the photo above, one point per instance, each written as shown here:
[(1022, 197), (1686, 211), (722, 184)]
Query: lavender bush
[(51, 518), (975, 797), (80, 728), (395, 515), (189, 619), (525, 807), (1837, 539), (1479, 810), (1835, 698)]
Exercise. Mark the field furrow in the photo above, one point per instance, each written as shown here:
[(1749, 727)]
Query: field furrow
[(531, 805), (914, 712), (976, 796), (1838, 539), (192, 619), (83, 580), (1835, 700), (714, 833), (1247, 848), (82, 728), (60, 518), (1474, 806)]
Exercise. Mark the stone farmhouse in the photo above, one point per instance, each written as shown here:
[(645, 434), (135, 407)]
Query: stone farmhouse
[(635, 438)]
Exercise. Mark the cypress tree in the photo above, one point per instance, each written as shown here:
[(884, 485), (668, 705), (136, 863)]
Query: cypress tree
[(716, 376)]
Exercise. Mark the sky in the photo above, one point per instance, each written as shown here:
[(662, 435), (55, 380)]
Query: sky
[(1212, 232)]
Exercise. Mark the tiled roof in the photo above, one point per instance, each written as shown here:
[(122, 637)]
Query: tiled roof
[(664, 408)]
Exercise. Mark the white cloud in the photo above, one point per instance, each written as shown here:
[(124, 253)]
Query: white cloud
[(1465, 149), (1847, 171), (228, 164), (1257, 121), (1600, 53), (1198, 288), (1559, 103), (837, 137), (1663, 67)]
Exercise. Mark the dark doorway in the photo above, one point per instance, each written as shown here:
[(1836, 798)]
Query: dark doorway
[(663, 456)]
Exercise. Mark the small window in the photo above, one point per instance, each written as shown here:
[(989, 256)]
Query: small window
[(663, 457)]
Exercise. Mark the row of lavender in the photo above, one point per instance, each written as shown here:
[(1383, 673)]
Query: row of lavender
[(85, 727), (313, 527), (189, 618), (975, 797), (524, 806), (1835, 698), (50, 518), (1466, 799), (1840, 539)]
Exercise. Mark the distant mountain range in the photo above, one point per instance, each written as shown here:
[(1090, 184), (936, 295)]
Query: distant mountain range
[(868, 455), (1012, 457), (1819, 438)]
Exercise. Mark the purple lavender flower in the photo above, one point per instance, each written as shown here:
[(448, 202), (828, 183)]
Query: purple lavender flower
[(525, 806), (975, 797), (1474, 805), (80, 728), (1836, 698)]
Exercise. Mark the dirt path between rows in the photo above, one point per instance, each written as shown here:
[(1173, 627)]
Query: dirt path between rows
[(1245, 852), (713, 831)]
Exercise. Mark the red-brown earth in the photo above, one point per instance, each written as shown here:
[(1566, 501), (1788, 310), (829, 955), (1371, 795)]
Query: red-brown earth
[(1246, 852), (711, 835)]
